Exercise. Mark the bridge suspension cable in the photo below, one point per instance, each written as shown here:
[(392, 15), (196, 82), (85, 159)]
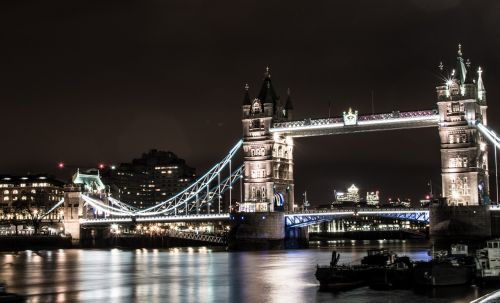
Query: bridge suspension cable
[(53, 208), (489, 134), (200, 193), (193, 190)]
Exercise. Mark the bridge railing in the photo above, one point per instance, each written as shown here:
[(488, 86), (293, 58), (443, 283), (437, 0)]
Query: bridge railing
[(357, 210), (194, 217), (375, 117), (197, 236)]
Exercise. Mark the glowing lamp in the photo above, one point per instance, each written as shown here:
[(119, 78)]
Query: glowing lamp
[(101, 166), (60, 165)]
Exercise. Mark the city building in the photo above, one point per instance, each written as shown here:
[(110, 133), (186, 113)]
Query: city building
[(38, 192), (372, 198), (148, 180), (352, 195)]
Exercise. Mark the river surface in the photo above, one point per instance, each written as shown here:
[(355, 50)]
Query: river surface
[(204, 275)]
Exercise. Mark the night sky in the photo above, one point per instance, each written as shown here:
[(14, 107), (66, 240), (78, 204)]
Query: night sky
[(104, 81)]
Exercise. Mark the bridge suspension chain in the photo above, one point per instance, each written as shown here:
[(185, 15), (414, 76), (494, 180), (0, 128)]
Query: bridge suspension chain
[(489, 134), (197, 195)]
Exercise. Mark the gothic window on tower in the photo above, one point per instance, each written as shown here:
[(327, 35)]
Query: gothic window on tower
[(454, 89), (253, 192), (256, 152), (466, 190), (255, 123), (455, 107), (451, 138), (258, 173)]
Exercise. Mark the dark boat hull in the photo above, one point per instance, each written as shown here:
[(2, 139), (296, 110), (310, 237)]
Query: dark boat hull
[(391, 278), (442, 274), (341, 278)]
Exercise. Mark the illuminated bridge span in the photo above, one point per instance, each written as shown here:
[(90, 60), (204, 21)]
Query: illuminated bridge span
[(352, 123), (292, 219), (157, 219), (316, 217)]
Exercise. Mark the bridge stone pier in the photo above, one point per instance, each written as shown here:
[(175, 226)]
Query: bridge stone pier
[(257, 230), (73, 209)]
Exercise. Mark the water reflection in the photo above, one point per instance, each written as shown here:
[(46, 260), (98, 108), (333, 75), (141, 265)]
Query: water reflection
[(202, 275)]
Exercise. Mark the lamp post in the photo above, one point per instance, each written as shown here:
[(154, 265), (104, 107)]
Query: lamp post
[(496, 173)]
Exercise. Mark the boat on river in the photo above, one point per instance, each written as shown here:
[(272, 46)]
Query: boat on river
[(397, 275), (488, 262), (456, 268), (344, 277)]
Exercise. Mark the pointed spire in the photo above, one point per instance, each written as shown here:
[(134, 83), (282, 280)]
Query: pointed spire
[(288, 104), (246, 98), (480, 85), (267, 93), (267, 74), (461, 70)]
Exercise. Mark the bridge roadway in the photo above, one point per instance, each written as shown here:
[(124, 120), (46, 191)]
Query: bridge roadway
[(292, 219)]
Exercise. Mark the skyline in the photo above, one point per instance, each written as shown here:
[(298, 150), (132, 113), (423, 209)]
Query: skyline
[(96, 86)]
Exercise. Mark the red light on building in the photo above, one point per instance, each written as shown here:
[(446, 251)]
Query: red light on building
[(101, 166), (60, 165)]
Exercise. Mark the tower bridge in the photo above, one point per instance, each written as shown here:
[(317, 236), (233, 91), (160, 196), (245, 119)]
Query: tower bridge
[(266, 177)]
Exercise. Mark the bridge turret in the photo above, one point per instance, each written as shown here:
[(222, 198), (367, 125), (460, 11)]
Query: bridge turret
[(481, 91), (247, 103), (464, 158), (268, 181)]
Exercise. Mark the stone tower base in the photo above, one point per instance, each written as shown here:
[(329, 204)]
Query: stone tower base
[(257, 231), (72, 227), (459, 223)]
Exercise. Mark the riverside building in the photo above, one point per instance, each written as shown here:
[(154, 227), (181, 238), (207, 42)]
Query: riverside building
[(148, 180), (39, 192)]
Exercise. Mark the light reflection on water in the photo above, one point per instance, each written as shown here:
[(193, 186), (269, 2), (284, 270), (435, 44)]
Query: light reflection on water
[(202, 275)]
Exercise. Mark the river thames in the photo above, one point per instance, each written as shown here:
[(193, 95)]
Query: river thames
[(204, 275)]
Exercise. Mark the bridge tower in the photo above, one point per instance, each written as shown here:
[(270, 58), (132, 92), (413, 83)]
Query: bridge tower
[(464, 152), (73, 209), (268, 179), (464, 158)]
